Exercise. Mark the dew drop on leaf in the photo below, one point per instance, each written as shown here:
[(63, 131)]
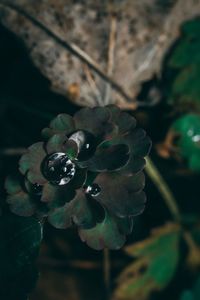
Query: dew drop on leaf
[(37, 189), (34, 189), (86, 143), (58, 169), (93, 189)]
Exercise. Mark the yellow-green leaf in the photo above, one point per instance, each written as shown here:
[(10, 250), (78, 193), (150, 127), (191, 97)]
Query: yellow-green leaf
[(156, 261)]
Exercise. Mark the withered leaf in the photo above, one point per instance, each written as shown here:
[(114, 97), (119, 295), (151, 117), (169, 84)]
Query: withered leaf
[(126, 39)]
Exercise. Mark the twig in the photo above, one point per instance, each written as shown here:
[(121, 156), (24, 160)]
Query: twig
[(93, 85), (77, 264), (12, 151), (145, 64), (111, 49), (106, 271)]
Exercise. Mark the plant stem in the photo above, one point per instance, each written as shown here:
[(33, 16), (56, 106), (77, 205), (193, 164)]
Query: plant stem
[(106, 271), (163, 188), (12, 151), (169, 199)]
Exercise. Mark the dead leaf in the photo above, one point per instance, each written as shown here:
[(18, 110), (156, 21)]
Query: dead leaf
[(144, 31)]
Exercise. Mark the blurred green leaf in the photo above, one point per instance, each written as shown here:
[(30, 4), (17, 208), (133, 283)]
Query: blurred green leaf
[(188, 129), (183, 67), (196, 234), (186, 48), (186, 85), (20, 240), (193, 255), (156, 262), (187, 295), (193, 294)]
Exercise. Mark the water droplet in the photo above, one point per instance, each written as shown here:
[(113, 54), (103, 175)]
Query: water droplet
[(86, 142), (93, 189), (34, 189), (58, 168), (37, 189), (196, 138), (190, 132)]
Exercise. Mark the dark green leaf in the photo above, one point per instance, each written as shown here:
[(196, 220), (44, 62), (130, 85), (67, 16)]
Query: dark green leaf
[(80, 211), (20, 203), (63, 123), (104, 235), (20, 241), (94, 120), (121, 195), (183, 69), (108, 158), (60, 143), (31, 162), (188, 129)]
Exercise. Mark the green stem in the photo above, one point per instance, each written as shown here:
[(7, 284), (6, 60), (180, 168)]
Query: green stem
[(163, 188), (106, 271), (169, 199)]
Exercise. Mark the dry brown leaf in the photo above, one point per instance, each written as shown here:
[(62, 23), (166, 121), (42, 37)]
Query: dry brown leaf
[(135, 44)]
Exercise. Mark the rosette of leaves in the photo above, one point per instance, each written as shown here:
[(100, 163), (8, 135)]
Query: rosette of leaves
[(87, 172)]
